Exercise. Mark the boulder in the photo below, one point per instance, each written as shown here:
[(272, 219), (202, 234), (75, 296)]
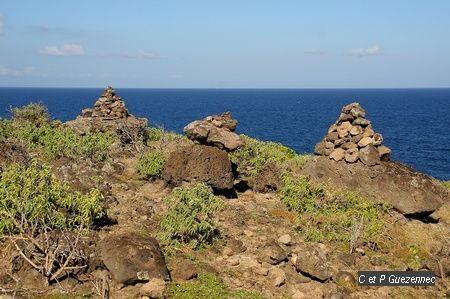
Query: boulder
[(133, 258), (351, 155), (384, 152), (408, 191), (268, 179), (365, 141), (271, 253), (369, 155), (199, 163), (338, 154), (313, 262), (216, 131)]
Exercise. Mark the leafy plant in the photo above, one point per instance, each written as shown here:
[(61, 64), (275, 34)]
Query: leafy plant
[(414, 260), (56, 141), (255, 154), (325, 214), (34, 113), (208, 286), (150, 165), (191, 216), (32, 194)]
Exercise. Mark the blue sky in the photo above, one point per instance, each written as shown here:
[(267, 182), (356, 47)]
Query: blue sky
[(219, 44)]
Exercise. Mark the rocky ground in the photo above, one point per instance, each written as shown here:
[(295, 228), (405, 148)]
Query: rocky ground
[(260, 244)]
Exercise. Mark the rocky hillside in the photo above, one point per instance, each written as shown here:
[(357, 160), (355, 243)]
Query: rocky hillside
[(106, 207)]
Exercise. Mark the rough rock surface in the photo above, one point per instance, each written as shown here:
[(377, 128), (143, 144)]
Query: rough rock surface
[(268, 179), (215, 131), (132, 258), (351, 138), (313, 262), (199, 163), (11, 152), (110, 114), (409, 191)]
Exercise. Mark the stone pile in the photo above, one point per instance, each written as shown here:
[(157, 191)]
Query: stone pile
[(109, 105), (352, 139), (215, 131), (110, 114)]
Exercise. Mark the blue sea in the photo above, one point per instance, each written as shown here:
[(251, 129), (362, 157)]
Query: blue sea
[(415, 123)]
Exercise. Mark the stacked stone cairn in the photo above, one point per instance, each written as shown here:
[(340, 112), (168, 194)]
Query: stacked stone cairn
[(215, 130), (108, 106), (110, 114), (352, 139)]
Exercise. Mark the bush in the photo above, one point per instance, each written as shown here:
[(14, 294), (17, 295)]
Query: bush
[(150, 165), (55, 141), (190, 217), (159, 134), (34, 113), (207, 286), (331, 215), (255, 154), (33, 195)]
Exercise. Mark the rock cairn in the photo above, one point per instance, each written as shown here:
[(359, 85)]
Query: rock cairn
[(215, 130), (110, 114), (109, 105), (352, 139)]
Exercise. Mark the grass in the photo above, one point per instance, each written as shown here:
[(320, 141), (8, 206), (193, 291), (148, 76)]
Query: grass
[(208, 286), (159, 134), (446, 184), (256, 154), (33, 195), (150, 165), (53, 140), (327, 215), (190, 218)]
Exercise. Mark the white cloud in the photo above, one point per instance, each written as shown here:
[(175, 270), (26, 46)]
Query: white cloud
[(2, 25), (140, 54), (6, 71), (362, 52), (64, 50)]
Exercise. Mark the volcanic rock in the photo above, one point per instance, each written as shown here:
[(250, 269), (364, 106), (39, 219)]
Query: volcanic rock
[(407, 190), (349, 135), (110, 114), (313, 262), (133, 258), (199, 163), (216, 131)]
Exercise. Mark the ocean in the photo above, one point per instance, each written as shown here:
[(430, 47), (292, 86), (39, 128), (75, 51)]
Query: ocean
[(415, 123)]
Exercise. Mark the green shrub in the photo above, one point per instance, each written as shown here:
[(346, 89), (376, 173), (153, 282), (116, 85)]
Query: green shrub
[(35, 113), (331, 215), (159, 134), (190, 217), (255, 154), (32, 194), (446, 184), (150, 165), (207, 286), (55, 141)]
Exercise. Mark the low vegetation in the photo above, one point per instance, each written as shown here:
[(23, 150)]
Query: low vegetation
[(51, 138), (150, 165), (31, 196), (256, 154), (159, 134), (325, 214), (190, 217), (35, 113), (208, 286)]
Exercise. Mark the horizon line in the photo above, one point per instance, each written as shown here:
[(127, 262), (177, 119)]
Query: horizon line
[(220, 88)]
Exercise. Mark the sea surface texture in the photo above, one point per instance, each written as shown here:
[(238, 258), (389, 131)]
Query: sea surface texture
[(415, 123)]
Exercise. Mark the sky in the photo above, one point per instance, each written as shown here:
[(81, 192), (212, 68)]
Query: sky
[(225, 44)]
